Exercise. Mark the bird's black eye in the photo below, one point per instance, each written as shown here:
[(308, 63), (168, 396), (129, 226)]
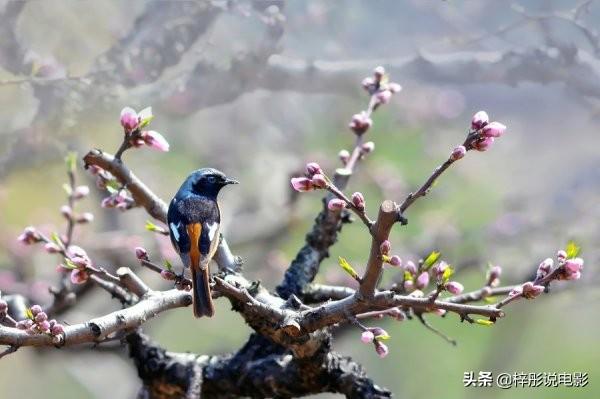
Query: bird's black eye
[(211, 179)]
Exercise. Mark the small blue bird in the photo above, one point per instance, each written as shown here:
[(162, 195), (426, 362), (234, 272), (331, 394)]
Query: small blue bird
[(194, 219)]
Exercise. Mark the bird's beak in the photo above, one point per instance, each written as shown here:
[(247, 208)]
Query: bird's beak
[(231, 181)]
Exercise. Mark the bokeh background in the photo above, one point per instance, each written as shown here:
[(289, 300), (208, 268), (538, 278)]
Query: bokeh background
[(257, 88)]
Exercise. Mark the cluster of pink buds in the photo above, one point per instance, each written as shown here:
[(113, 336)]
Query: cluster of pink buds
[(78, 263), (375, 335), (314, 179), (380, 87), (360, 123), (573, 268), (37, 323), (29, 236), (120, 200), (133, 122), (384, 250), (485, 132)]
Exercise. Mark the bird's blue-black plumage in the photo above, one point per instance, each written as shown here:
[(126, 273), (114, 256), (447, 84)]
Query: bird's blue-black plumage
[(193, 218)]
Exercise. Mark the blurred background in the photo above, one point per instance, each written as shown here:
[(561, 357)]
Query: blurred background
[(257, 88)]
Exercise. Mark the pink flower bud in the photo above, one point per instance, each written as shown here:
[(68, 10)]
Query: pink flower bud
[(86, 217), (360, 123), (483, 144), (81, 191), (495, 273), (66, 211), (396, 313), (378, 73), (319, 181), (44, 326), (561, 255), (454, 287), (479, 120), (51, 248), (155, 140), (367, 147), (458, 153), (40, 317), (141, 253), (29, 236), (168, 275), (35, 310), (574, 265), (313, 168), (129, 119), (367, 337), (302, 184), (368, 83), (344, 156), (381, 349), (411, 267), (385, 247), (395, 261), (57, 329), (79, 276), (422, 280), (439, 269), (409, 285), (544, 268), (530, 291), (359, 201), (383, 96), (494, 129), (336, 204)]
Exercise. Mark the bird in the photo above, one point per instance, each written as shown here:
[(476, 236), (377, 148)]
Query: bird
[(193, 219)]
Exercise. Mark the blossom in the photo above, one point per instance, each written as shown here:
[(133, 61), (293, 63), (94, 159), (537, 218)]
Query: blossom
[(359, 201), (381, 349), (319, 181), (479, 120), (544, 268), (336, 204), (529, 290), (483, 144), (29, 236), (85, 217), (51, 248), (458, 153), (367, 147), (344, 156), (81, 191), (141, 253), (129, 119), (422, 280), (313, 168), (360, 123), (367, 337), (395, 261), (155, 140), (168, 275), (35, 310), (385, 247), (411, 267), (454, 287), (302, 184), (493, 129), (561, 255), (79, 276)]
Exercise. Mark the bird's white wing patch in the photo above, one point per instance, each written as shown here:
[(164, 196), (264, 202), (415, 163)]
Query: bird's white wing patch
[(174, 230), (212, 230)]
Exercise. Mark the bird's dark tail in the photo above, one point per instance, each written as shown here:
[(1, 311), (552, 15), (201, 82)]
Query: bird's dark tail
[(203, 304)]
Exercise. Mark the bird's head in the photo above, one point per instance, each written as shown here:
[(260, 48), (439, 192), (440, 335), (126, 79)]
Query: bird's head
[(207, 181)]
